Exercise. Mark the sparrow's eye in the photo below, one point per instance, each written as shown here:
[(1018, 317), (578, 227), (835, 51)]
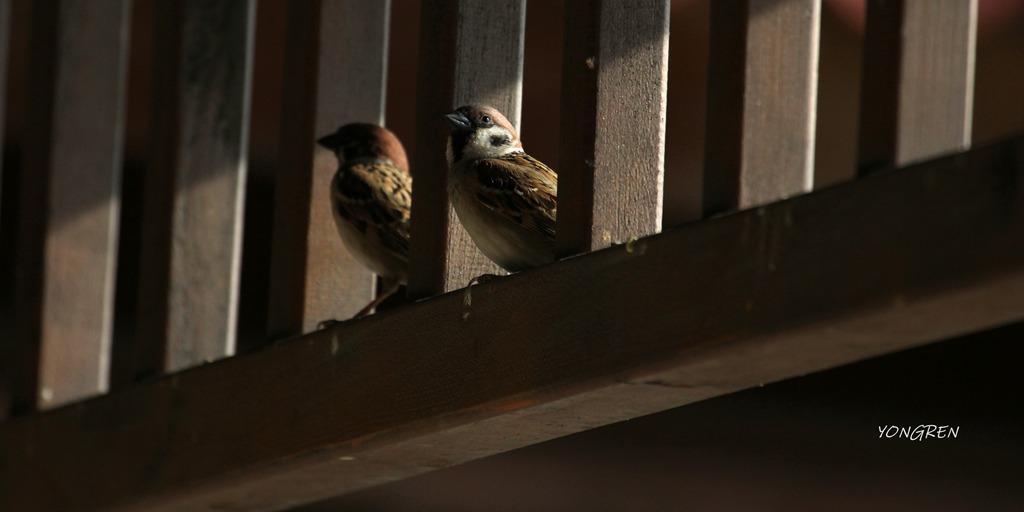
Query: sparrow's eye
[(485, 119)]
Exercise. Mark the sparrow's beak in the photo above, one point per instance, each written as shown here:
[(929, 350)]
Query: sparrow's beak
[(458, 121), (330, 142)]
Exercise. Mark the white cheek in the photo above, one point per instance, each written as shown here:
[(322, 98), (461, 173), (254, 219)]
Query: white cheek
[(479, 144)]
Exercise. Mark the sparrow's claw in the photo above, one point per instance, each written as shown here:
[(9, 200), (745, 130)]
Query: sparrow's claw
[(326, 324), (483, 279)]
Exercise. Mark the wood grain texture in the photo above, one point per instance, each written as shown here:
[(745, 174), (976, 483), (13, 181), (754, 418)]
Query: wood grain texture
[(314, 276), (703, 310), (917, 92), (470, 52), (351, 88), (25, 230), (5, 12), (489, 42), (937, 79), (84, 200), (68, 203), (612, 161), (762, 96), (489, 38), (879, 87), (210, 172), (6, 391), (148, 346), (431, 209)]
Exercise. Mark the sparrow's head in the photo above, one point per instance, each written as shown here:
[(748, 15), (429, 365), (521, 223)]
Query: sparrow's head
[(477, 132), (362, 140)]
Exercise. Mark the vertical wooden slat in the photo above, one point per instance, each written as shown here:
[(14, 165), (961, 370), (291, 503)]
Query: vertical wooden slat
[(6, 397), (431, 213), (210, 181), (489, 45), (24, 222), (198, 181), (350, 88), (70, 199), (489, 42), (313, 277), (5, 10), (150, 339), (917, 92), (611, 166), (879, 97), (470, 52), (762, 91)]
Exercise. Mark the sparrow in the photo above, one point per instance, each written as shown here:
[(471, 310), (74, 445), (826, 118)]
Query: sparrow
[(506, 199), (371, 199)]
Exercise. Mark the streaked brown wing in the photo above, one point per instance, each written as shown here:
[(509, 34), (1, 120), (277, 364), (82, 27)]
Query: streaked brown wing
[(520, 188), (376, 198)]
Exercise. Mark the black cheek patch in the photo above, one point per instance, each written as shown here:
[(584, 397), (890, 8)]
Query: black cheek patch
[(499, 140)]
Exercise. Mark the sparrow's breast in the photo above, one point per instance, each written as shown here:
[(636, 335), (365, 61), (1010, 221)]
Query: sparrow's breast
[(505, 242)]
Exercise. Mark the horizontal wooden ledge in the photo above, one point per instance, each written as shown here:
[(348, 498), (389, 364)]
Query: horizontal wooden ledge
[(820, 280)]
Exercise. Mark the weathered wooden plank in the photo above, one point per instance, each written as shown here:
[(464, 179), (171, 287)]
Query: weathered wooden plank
[(6, 393), (148, 350), (917, 92), (210, 170), (470, 52), (69, 201), (430, 205), (24, 232), (761, 295), (194, 184), (489, 55), (5, 12), (489, 43), (879, 86), (937, 79), (614, 88), (434, 81), (762, 93), (352, 88), (314, 276), (84, 200)]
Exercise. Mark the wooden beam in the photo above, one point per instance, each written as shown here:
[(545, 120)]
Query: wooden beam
[(716, 306), (762, 96), (470, 52), (612, 162), (917, 92), (70, 200), (314, 278)]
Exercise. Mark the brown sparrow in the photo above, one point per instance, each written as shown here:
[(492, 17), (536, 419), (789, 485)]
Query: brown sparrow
[(505, 198), (371, 197)]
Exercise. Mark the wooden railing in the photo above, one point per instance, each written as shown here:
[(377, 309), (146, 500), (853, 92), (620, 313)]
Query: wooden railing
[(776, 282)]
